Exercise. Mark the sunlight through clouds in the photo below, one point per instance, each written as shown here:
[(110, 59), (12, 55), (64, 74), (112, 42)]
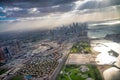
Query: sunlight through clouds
[(58, 15)]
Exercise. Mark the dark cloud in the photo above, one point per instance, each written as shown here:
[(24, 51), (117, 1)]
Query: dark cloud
[(114, 2), (41, 3), (93, 4), (57, 8), (25, 9), (42, 8), (90, 5)]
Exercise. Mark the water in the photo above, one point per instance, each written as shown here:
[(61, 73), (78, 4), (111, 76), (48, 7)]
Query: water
[(100, 31)]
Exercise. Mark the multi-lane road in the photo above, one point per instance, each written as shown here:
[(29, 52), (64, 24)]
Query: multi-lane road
[(65, 50)]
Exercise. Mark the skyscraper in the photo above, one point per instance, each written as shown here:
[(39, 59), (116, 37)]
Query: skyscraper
[(2, 56), (7, 54)]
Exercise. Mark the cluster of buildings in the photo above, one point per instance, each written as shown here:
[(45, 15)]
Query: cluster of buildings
[(37, 54), (113, 37), (68, 32), (5, 55), (41, 66), (10, 50)]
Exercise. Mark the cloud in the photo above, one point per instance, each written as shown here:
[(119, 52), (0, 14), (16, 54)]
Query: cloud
[(54, 20), (56, 15), (32, 10), (106, 23)]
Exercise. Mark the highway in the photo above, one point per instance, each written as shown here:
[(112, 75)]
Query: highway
[(65, 50)]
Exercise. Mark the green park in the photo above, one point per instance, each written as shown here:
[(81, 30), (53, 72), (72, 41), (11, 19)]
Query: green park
[(79, 72), (80, 47)]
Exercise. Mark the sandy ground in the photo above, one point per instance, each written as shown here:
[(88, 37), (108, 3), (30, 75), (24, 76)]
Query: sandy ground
[(102, 68), (80, 59)]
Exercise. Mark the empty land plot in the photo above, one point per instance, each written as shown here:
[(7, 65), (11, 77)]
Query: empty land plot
[(78, 59)]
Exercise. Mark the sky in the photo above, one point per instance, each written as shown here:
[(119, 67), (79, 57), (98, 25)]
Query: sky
[(18, 15)]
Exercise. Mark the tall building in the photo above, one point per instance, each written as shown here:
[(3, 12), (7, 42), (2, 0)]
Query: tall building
[(2, 56), (7, 53), (17, 45)]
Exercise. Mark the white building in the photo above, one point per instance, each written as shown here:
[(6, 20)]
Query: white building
[(113, 73), (108, 50)]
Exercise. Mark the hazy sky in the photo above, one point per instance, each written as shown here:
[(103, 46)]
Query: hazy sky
[(28, 16)]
